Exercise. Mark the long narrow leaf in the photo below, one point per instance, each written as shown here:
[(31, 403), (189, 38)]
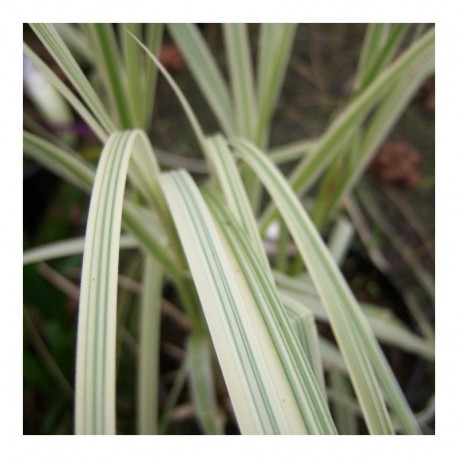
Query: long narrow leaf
[(276, 42), (203, 383), (369, 52), (383, 57), (95, 377), (292, 151), (96, 343), (304, 326), (356, 340), (153, 42), (234, 193), (242, 81), (148, 361), (112, 71), (51, 39), (206, 72), (75, 40), (66, 248), (346, 419), (134, 71), (67, 94), (263, 399), (298, 369)]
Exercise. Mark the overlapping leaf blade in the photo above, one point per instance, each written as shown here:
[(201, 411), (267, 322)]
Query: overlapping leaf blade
[(202, 383), (230, 182), (206, 72), (96, 344), (303, 323), (55, 45), (356, 340), (113, 72), (272, 381), (149, 342), (275, 45), (298, 363), (67, 247), (153, 37), (264, 397), (242, 80), (74, 101)]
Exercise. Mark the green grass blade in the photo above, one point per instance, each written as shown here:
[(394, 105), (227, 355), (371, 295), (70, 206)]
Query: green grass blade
[(369, 53), (67, 94), (336, 364), (65, 164), (113, 72), (292, 151), (244, 96), (95, 369), (131, 272), (263, 400), (276, 41), (356, 340), (298, 369), (308, 170), (242, 81), (76, 41), (203, 384), (134, 72), (65, 248), (234, 193), (96, 343), (346, 419), (206, 72), (153, 42), (383, 57), (144, 171), (303, 323), (148, 348), (54, 44)]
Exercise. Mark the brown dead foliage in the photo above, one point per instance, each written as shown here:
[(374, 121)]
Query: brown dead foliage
[(397, 162)]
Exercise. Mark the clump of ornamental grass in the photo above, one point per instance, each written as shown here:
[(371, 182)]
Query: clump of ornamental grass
[(245, 307)]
